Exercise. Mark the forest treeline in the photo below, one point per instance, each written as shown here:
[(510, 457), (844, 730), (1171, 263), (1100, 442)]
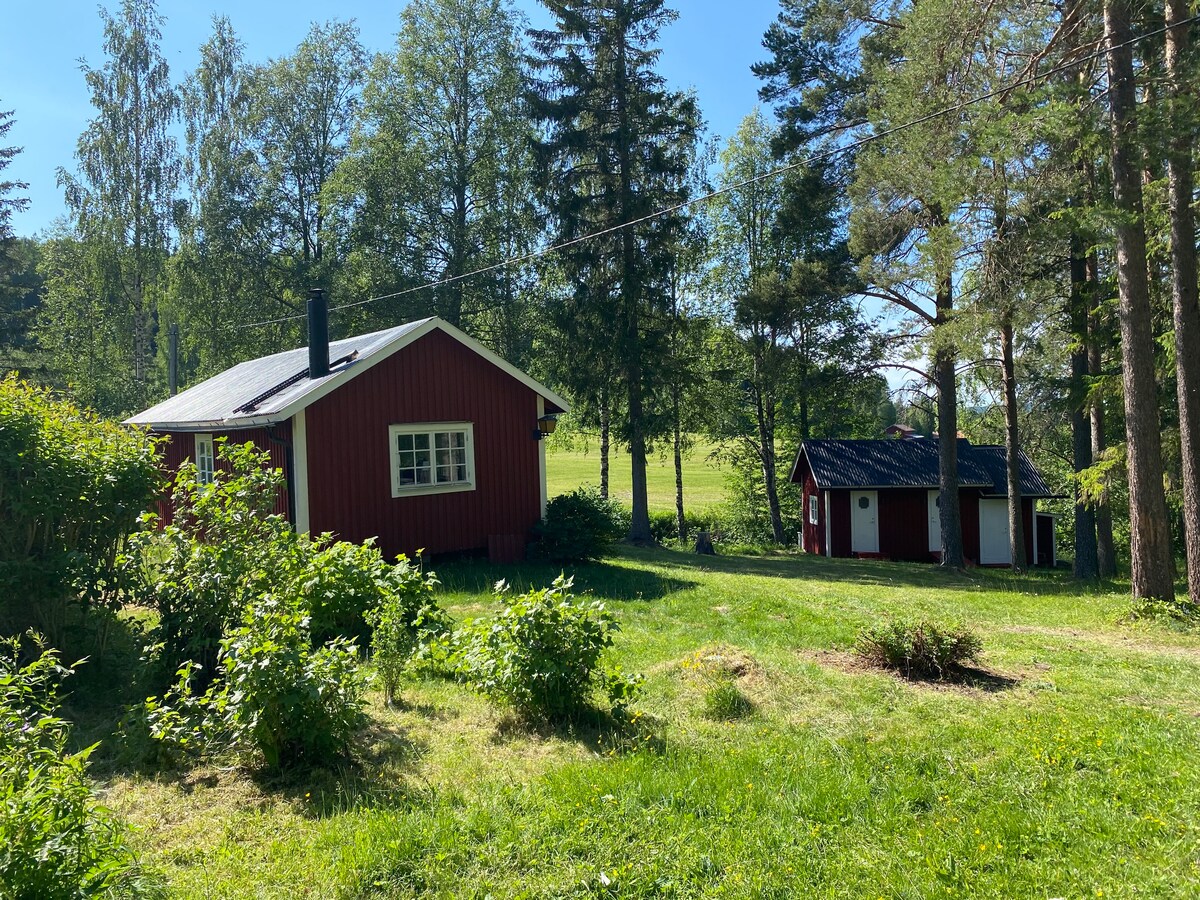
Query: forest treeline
[(972, 217)]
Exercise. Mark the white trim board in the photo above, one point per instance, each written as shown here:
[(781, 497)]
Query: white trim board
[(300, 471)]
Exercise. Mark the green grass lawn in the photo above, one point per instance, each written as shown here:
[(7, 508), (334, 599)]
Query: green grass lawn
[(703, 481), (1070, 771)]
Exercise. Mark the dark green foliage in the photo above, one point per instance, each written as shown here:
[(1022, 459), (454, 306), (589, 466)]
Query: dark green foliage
[(224, 547), (541, 654), (406, 618), (921, 648), (71, 489), (55, 840), (275, 695), (579, 525), (665, 528)]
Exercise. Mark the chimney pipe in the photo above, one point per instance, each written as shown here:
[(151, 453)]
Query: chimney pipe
[(318, 334)]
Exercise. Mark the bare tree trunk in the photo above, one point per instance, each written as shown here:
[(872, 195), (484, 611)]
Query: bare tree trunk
[(947, 416), (1183, 281), (1086, 564), (1012, 448), (1151, 559), (605, 441), (1106, 547), (680, 519)]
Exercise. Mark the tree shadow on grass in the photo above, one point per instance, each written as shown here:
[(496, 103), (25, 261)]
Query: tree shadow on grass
[(867, 572), (603, 579), (598, 730)]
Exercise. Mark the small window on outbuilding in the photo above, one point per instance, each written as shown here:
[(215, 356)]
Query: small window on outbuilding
[(813, 509), (432, 458), (205, 460)]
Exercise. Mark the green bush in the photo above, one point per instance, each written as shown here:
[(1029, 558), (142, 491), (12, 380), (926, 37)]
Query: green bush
[(275, 694), (55, 840), (665, 527), (342, 583), (224, 547), (71, 489), (405, 619), (578, 526), (920, 648), (541, 654)]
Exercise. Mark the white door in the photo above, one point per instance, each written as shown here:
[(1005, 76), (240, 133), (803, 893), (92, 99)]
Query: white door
[(994, 549), (935, 522), (864, 521)]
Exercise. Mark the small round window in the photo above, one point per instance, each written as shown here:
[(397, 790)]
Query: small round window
[(864, 503)]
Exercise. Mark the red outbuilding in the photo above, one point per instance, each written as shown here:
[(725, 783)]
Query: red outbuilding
[(880, 498), (417, 436)]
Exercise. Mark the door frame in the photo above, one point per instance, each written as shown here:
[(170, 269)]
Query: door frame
[(990, 503), (854, 495), (933, 513)]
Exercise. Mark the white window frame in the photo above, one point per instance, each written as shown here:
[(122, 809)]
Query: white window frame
[(814, 513), (431, 428), (205, 475)]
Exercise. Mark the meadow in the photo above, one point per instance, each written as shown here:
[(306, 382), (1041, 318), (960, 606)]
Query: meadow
[(1065, 767), (568, 467)]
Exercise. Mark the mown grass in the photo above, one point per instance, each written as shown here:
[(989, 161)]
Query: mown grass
[(703, 479), (1071, 772)]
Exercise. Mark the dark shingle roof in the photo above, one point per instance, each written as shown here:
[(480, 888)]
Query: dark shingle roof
[(994, 461), (839, 464)]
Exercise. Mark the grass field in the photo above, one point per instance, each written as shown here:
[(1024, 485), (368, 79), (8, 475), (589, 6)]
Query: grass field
[(703, 481), (1068, 769)]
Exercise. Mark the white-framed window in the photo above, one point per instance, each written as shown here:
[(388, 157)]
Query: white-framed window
[(432, 458), (813, 509), (205, 461)]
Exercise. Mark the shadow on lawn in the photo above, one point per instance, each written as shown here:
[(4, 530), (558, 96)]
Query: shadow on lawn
[(868, 572), (597, 730), (604, 579)]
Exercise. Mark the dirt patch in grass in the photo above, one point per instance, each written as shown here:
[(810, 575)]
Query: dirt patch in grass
[(970, 679), (723, 661)]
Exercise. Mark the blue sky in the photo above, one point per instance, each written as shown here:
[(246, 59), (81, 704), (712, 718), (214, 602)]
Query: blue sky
[(710, 48)]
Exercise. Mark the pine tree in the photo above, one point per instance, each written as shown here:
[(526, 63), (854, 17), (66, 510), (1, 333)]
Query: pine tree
[(616, 150)]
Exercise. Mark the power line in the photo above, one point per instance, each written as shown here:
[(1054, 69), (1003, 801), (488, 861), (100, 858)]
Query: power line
[(782, 170)]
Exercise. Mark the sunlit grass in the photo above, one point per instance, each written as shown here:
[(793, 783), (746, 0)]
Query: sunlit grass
[(1077, 777)]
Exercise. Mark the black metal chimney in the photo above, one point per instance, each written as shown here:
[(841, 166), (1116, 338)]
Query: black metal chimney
[(318, 334)]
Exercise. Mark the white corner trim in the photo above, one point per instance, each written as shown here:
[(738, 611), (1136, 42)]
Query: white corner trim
[(545, 493), (828, 528), (300, 471)]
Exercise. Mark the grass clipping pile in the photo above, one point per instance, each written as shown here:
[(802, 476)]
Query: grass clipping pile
[(724, 672)]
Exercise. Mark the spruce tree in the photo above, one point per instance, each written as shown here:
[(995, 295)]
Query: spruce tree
[(616, 150)]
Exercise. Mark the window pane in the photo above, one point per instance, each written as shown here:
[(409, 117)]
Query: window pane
[(404, 442), (408, 476), (421, 441), (423, 476), (444, 475), (458, 439), (460, 457), (461, 473), (442, 439)]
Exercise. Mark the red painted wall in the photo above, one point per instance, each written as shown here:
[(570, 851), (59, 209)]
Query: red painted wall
[(839, 532), (904, 524), (181, 447), (434, 379), (814, 535)]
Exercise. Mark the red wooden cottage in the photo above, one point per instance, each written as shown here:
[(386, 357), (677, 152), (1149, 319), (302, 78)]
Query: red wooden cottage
[(417, 436), (879, 498)]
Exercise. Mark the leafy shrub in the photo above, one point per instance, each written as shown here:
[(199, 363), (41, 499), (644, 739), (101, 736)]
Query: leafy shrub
[(275, 694), (724, 701), (55, 840), (71, 489), (406, 618), (920, 648), (541, 654), (342, 583), (224, 547), (665, 527), (578, 526)]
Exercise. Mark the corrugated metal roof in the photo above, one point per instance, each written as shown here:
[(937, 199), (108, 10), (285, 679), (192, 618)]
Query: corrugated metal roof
[(217, 402), (995, 461), (838, 464)]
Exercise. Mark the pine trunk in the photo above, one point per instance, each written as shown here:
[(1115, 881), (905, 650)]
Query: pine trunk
[(1151, 559), (1183, 282), (946, 379), (1086, 565), (605, 442), (680, 519), (1012, 448)]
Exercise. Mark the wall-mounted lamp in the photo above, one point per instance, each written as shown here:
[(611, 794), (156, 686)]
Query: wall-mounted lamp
[(545, 425)]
